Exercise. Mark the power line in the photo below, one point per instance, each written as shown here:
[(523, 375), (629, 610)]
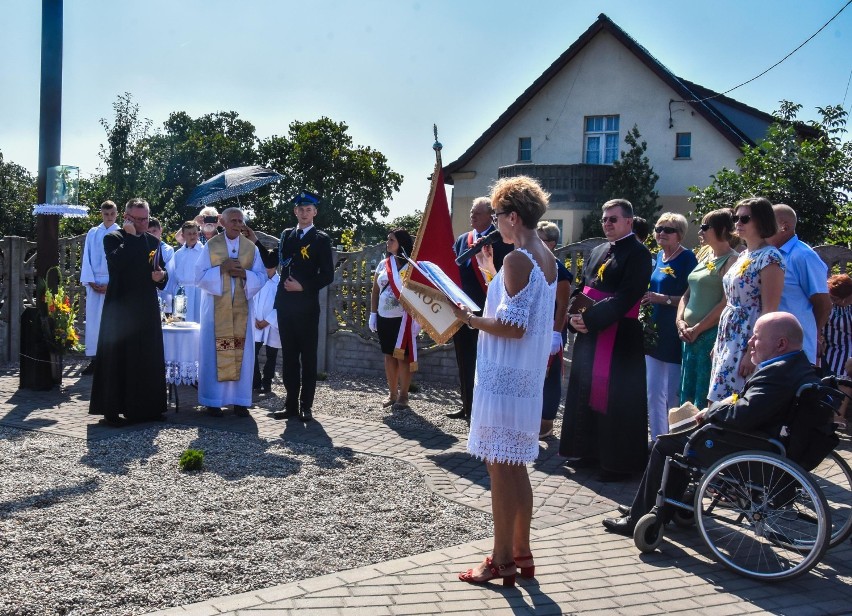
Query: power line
[(823, 27)]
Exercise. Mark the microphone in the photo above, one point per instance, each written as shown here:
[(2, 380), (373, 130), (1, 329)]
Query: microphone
[(491, 238)]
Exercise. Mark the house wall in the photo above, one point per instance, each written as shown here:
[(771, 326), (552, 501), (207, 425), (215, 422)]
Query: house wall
[(605, 78)]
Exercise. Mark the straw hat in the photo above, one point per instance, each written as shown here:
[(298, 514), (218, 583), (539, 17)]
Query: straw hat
[(682, 418)]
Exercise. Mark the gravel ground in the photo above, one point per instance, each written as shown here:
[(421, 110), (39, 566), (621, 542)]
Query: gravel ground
[(113, 527), (337, 396)]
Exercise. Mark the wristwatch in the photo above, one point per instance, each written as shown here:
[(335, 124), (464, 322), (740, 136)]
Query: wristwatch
[(668, 300)]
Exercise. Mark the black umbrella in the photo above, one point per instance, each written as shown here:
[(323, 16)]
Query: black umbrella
[(231, 183)]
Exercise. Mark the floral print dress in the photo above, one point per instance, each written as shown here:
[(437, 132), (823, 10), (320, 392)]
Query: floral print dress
[(742, 290)]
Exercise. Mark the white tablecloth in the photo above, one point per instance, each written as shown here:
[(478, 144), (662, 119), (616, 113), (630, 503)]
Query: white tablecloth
[(181, 348)]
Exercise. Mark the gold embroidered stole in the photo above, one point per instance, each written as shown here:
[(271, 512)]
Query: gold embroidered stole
[(230, 314)]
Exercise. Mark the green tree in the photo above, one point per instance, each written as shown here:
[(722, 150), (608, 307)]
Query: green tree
[(123, 154), (409, 222), (17, 198), (633, 179), (811, 174), (353, 181), (188, 151)]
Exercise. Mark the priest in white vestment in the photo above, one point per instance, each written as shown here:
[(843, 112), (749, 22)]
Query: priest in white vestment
[(229, 273), (183, 274), (95, 276)]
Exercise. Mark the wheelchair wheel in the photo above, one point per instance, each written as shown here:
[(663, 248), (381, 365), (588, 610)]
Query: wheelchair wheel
[(834, 479), (762, 516), (648, 534)]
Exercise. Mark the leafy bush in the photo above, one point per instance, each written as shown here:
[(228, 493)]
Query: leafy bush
[(191, 460)]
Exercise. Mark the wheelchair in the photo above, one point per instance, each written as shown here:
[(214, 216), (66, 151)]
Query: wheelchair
[(766, 508)]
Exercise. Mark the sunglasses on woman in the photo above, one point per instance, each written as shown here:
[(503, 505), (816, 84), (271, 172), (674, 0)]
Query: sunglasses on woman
[(704, 227), (668, 230), (741, 219)]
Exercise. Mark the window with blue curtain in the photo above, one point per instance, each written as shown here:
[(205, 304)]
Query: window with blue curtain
[(601, 140)]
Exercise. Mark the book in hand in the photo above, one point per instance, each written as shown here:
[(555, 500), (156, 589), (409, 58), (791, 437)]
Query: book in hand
[(444, 284), (579, 303)]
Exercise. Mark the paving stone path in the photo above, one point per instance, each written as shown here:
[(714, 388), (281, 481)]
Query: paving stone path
[(580, 568)]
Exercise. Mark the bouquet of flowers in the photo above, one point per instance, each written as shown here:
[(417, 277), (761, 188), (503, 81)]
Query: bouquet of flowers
[(62, 334)]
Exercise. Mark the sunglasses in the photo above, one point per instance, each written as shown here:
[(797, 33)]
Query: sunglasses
[(609, 219), (741, 219), (669, 230), (496, 214), (705, 227)]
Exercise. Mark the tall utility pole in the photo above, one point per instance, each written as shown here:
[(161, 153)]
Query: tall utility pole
[(49, 131)]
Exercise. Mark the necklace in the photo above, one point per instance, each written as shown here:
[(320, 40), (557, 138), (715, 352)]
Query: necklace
[(674, 254)]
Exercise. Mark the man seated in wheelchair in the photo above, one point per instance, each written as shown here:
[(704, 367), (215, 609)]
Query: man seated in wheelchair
[(762, 409)]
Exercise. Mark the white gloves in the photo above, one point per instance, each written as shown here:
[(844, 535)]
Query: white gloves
[(556, 343), (374, 325)]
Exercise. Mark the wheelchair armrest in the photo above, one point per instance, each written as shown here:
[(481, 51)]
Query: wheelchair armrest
[(707, 428)]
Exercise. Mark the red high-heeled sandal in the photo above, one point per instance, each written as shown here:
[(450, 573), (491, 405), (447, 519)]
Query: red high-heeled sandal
[(505, 572), (525, 566)]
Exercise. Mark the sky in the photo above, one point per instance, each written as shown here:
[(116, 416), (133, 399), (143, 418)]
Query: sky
[(389, 69)]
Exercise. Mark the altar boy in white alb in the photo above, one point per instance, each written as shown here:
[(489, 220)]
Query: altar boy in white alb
[(229, 273), (184, 270), (95, 276), (266, 332)]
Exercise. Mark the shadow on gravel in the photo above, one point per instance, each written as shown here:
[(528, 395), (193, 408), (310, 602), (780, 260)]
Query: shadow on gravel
[(115, 454), (263, 461), (320, 445), (48, 498)]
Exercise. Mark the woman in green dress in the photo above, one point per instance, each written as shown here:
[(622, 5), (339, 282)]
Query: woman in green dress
[(701, 305)]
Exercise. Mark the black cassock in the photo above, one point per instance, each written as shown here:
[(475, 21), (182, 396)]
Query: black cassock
[(130, 373), (618, 438)]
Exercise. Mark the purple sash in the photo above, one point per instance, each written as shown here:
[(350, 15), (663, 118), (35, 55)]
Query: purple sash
[(599, 396)]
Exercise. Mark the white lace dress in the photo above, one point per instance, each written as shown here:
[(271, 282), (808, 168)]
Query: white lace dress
[(510, 373)]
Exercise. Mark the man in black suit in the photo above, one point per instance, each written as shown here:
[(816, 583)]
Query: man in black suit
[(304, 254), (473, 283), (782, 367)]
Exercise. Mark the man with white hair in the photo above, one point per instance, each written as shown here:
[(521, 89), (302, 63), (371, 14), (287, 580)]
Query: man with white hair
[(229, 273), (805, 280)]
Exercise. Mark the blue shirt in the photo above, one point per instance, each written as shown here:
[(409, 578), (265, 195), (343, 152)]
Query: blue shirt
[(805, 275)]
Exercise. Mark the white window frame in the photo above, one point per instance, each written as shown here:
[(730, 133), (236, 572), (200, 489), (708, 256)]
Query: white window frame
[(601, 139)]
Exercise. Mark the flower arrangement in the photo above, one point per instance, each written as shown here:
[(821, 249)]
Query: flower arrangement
[(744, 266), (650, 336), (668, 271), (61, 313)]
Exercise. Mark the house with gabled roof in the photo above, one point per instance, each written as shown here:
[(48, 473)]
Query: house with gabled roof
[(569, 125)]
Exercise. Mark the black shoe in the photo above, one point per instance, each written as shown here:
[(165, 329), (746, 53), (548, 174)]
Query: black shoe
[(620, 526), (90, 369), (213, 411), (306, 415), (285, 414), (612, 477), (457, 415), (113, 421), (241, 411), (624, 510)]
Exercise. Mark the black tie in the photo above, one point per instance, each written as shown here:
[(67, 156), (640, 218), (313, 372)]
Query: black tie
[(299, 234)]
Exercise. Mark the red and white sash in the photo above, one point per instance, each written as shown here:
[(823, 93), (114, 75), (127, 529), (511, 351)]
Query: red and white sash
[(406, 339)]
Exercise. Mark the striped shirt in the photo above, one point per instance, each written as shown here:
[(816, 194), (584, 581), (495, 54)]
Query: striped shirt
[(838, 338)]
